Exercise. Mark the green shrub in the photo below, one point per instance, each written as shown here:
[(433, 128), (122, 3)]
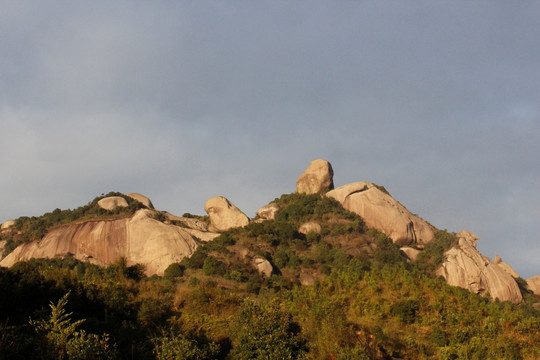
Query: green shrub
[(174, 270), (405, 310), (213, 266)]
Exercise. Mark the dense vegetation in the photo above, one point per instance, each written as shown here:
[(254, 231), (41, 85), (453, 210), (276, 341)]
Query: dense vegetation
[(33, 228), (366, 301)]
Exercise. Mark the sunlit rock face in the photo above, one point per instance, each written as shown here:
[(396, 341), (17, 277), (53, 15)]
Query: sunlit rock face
[(140, 239), (506, 267), (268, 212), (224, 215), (466, 267), (316, 179), (310, 226), (382, 212), (533, 283)]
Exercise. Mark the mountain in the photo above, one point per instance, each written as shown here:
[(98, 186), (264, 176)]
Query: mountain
[(157, 239), (323, 273)]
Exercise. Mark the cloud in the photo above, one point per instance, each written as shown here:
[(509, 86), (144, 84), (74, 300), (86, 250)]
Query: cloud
[(183, 101)]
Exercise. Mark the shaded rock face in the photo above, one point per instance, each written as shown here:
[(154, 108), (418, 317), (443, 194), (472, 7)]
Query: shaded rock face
[(268, 212), (533, 283), (465, 267), (411, 253), (142, 199), (140, 239), (310, 227), (316, 179), (224, 215), (382, 212), (112, 202)]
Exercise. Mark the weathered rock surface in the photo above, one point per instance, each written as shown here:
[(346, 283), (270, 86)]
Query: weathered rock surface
[(466, 267), (316, 179), (411, 253), (268, 212), (112, 202), (196, 227), (533, 283), (142, 199), (140, 239), (382, 212), (7, 224), (224, 215), (506, 267), (310, 227), (263, 266)]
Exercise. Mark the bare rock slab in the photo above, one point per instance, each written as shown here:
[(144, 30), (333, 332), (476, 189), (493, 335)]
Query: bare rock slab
[(382, 212)]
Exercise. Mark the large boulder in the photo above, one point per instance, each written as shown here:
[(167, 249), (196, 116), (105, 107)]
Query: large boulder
[(263, 266), (382, 212), (224, 215), (533, 283), (268, 212), (316, 179), (466, 267), (142, 199), (140, 239), (308, 227), (112, 202)]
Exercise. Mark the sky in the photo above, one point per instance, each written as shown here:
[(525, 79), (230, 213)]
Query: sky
[(181, 101)]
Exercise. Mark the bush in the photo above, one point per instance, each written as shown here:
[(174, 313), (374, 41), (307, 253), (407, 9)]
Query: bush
[(213, 266), (175, 270), (405, 310), (265, 333)]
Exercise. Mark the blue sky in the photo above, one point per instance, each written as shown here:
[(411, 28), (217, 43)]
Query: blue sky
[(182, 101)]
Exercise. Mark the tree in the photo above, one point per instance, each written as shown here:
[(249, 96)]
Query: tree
[(266, 333), (63, 341)]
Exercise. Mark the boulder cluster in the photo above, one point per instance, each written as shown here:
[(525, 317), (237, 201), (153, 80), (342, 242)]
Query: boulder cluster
[(156, 239)]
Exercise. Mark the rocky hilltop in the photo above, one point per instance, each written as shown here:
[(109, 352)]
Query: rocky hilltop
[(157, 239)]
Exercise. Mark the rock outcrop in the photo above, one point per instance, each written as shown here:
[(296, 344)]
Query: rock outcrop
[(268, 212), (196, 227), (308, 227), (142, 199), (466, 267), (263, 266), (7, 224), (316, 179), (112, 202), (224, 215), (411, 253), (382, 212), (506, 267), (140, 239), (533, 283)]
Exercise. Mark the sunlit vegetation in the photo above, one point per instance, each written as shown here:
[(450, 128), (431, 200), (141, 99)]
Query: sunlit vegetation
[(365, 301)]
